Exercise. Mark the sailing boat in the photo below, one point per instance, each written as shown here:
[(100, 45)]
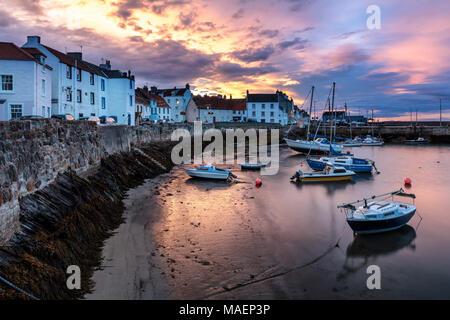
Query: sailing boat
[(319, 145)]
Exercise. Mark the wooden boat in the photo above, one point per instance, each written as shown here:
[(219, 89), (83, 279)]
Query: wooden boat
[(252, 166), (330, 174), (379, 216), (419, 140), (350, 163), (210, 172)]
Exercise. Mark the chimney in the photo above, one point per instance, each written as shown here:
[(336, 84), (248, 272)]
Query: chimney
[(231, 97), (129, 73), (219, 96), (145, 88), (247, 91), (153, 89), (106, 65), (33, 40), (188, 86), (76, 55)]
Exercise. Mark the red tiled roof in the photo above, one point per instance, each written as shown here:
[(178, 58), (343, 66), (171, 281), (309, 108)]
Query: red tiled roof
[(160, 102), (9, 51), (214, 102), (141, 100), (34, 51)]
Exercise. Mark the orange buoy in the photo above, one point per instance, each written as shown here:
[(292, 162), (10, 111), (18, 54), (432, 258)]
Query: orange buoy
[(407, 181), (258, 182)]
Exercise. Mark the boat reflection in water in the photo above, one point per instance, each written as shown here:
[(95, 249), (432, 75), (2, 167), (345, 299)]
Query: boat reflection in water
[(369, 247)]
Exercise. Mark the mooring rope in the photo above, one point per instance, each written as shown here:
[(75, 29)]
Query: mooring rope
[(18, 289)]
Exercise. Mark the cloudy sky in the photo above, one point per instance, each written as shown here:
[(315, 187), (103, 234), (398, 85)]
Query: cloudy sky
[(230, 46)]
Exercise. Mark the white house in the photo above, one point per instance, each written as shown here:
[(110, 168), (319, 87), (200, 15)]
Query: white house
[(270, 108), (178, 101), (84, 89), (218, 108), (25, 88), (157, 109)]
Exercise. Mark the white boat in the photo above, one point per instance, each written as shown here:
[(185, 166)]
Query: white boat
[(210, 172), (317, 145), (331, 173), (352, 143), (371, 141), (419, 140), (379, 216)]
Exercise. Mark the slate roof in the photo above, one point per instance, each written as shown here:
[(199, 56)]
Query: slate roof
[(262, 97), (217, 103)]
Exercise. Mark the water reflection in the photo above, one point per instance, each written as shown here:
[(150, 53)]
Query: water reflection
[(371, 246), (208, 184)]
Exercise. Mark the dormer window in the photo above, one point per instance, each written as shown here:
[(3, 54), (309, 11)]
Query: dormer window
[(92, 79), (78, 74)]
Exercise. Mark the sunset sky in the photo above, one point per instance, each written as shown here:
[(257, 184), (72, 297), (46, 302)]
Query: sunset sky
[(230, 46)]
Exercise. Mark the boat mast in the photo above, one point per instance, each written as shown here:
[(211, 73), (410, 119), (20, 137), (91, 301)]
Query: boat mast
[(310, 111), (372, 122), (332, 110)]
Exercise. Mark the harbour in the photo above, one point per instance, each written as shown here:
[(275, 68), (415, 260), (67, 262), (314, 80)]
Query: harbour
[(202, 239)]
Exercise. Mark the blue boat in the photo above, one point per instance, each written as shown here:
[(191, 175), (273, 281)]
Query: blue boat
[(379, 216), (357, 165)]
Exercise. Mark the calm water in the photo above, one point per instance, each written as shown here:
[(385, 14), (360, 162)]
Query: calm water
[(289, 241), (414, 261)]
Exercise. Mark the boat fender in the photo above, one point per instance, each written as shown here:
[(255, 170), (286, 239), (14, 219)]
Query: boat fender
[(258, 182), (407, 181)]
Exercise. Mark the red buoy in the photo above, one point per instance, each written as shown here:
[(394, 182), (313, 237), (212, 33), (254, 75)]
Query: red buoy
[(407, 181), (258, 182)]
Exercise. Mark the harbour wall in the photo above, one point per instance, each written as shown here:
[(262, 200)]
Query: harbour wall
[(34, 152)]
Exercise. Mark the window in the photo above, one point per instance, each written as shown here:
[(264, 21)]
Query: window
[(103, 102), (80, 115), (131, 101), (68, 94), (92, 79), (68, 72), (254, 113), (7, 82), (79, 96), (131, 84), (263, 120), (43, 87), (48, 112), (263, 106), (92, 98), (16, 111), (271, 114), (271, 120), (102, 84), (168, 100), (271, 106), (254, 106), (78, 74), (43, 111), (263, 114)]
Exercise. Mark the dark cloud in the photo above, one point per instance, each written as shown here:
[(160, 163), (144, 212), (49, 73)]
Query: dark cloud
[(187, 19), (347, 35), (228, 71), (5, 19), (297, 44), (238, 14), (33, 6), (251, 55), (269, 33), (125, 8)]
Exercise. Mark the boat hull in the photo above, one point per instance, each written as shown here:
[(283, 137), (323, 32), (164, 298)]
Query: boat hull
[(305, 146), (252, 166), (351, 144), (208, 175), (374, 144), (326, 179), (382, 225), (320, 165)]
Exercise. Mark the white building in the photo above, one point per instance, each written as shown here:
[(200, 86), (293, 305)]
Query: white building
[(178, 101), (83, 89), (213, 109), (25, 88), (156, 108), (270, 108)]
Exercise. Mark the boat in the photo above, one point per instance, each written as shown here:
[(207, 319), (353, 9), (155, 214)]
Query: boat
[(350, 163), (419, 140), (379, 215), (317, 145), (210, 172), (252, 166), (352, 143), (331, 173), (371, 141)]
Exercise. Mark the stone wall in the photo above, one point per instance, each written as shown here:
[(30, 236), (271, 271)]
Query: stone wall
[(33, 152)]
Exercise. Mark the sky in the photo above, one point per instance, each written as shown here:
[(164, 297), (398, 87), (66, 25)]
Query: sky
[(230, 46)]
